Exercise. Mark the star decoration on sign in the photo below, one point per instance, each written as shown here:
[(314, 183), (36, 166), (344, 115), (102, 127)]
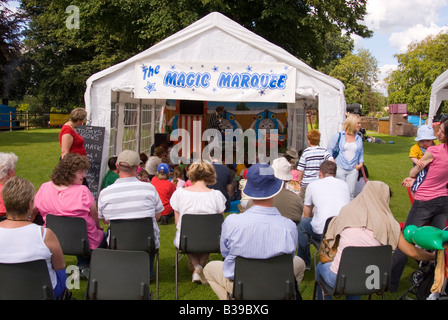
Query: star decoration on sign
[(150, 87), (249, 68)]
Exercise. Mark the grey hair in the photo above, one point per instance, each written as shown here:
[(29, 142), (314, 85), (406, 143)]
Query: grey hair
[(8, 161)]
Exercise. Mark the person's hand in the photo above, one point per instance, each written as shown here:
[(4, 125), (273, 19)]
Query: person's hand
[(408, 182)]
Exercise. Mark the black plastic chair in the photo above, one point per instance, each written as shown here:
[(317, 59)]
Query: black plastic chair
[(71, 233), (135, 235), (362, 271), (118, 275), (264, 279), (199, 233), (25, 281), (316, 243)]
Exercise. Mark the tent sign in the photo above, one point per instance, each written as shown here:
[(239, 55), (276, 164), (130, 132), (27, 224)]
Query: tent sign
[(264, 82)]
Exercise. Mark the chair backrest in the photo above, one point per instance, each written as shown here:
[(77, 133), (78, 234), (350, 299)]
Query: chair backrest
[(364, 270), (134, 234), (118, 275), (264, 279), (25, 281), (200, 233), (71, 233)]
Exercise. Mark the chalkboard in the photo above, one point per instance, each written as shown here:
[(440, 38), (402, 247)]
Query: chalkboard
[(93, 142)]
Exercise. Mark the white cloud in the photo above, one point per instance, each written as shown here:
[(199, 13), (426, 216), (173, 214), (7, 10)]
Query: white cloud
[(417, 33), (384, 71)]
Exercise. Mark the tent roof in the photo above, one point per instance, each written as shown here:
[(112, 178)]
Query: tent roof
[(439, 93)]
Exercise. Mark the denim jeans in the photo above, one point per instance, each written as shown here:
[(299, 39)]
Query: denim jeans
[(434, 212), (323, 269), (305, 234), (349, 176)]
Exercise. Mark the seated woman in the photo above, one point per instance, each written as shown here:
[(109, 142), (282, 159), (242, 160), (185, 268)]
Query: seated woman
[(197, 199), (366, 221), (65, 195), (8, 162), (26, 241)]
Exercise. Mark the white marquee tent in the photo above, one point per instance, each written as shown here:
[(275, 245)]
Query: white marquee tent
[(127, 99), (439, 93)]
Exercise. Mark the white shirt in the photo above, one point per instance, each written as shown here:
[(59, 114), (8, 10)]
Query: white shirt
[(350, 150), (328, 195)]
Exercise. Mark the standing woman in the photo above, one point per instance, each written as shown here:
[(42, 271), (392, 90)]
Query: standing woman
[(431, 198), (351, 151), (69, 139)]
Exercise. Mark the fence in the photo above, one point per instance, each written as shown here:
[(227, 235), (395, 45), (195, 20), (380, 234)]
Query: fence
[(20, 120)]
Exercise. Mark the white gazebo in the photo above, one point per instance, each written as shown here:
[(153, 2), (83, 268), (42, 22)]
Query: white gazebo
[(439, 93)]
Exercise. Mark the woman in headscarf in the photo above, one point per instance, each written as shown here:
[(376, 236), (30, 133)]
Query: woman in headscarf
[(366, 221)]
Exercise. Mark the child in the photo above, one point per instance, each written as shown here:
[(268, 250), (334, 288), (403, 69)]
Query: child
[(143, 175), (112, 174), (294, 184), (178, 177), (165, 188), (425, 138)]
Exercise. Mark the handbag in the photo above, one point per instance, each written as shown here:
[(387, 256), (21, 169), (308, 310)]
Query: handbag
[(327, 253), (336, 148)]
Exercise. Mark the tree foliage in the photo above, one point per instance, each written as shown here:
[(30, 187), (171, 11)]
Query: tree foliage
[(417, 69), (60, 59), (359, 72)]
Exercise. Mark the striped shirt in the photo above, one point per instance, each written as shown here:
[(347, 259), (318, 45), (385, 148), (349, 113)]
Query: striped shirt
[(257, 233), (310, 161), (130, 198)]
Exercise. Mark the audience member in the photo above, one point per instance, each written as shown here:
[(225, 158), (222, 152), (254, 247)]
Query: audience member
[(129, 198), (224, 178), (65, 195), (294, 184), (8, 162), (112, 173), (351, 151), (261, 232), (366, 221), (197, 199), (309, 162), (178, 177), (154, 161), (324, 198), (165, 188), (143, 160), (431, 198), (25, 241)]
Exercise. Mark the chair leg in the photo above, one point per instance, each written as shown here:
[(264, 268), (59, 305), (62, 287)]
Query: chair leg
[(175, 267), (157, 275)]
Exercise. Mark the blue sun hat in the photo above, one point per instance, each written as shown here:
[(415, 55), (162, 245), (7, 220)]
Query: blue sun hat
[(163, 168), (425, 132), (261, 182)]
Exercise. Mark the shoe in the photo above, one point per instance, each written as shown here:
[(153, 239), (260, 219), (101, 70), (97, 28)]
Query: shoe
[(199, 271), (196, 278)]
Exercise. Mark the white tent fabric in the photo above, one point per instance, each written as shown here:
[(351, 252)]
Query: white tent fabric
[(217, 38), (439, 93)]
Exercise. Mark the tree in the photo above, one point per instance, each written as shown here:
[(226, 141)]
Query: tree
[(417, 69), (359, 72), (60, 57)]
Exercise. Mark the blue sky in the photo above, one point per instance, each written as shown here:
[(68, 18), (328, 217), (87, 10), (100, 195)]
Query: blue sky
[(396, 24)]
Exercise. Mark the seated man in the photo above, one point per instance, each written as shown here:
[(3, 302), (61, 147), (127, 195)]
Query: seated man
[(260, 232), (327, 196), (130, 198)]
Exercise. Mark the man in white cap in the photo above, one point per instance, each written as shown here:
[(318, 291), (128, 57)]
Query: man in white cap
[(130, 198), (251, 234)]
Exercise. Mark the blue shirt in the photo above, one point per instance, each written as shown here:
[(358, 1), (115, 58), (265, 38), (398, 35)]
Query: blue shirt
[(257, 233), (341, 160)]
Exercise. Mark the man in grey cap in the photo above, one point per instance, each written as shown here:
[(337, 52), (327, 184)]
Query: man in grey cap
[(130, 198)]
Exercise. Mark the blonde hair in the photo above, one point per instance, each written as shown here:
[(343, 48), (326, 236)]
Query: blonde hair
[(351, 122), (17, 194), (202, 171), (78, 114)]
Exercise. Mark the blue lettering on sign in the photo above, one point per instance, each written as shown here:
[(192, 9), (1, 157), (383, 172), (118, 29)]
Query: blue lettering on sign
[(252, 81), (186, 80), (150, 71)]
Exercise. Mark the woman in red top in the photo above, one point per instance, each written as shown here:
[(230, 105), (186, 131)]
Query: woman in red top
[(165, 188), (69, 139)]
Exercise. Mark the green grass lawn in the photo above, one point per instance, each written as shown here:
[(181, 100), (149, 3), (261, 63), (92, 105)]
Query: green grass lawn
[(38, 152)]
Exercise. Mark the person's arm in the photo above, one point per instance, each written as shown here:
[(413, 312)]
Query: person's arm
[(414, 252), (57, 256), (421, 164), (66, 144), (307, 211), (176, 216), (94, 215)]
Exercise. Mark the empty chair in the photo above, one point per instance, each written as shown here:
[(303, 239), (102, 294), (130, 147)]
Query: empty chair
[(362, 271), (118, 275), (71, 233), (198, 234), (264, 279), (135, 235), (25, 281)]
